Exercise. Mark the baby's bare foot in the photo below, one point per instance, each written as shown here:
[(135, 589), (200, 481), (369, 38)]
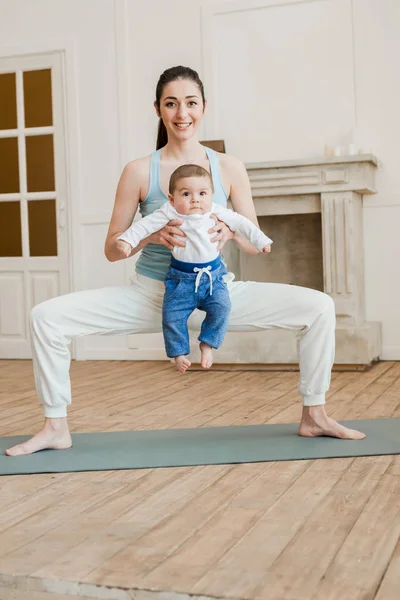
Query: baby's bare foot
[(182, 363), (206, 355), (54, 435)]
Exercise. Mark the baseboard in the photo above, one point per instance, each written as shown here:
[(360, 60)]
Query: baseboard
[(275, 367), (151, 356), (120, 354)]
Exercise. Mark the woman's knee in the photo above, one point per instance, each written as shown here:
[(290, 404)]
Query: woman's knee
[(325, 305), (44, 312), (326, 302)]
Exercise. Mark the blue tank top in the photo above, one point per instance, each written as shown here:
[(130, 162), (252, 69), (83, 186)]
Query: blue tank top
[(155, 259)]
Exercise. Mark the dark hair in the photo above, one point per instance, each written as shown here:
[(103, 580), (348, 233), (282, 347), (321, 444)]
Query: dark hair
[(188, 171), (173, 74)]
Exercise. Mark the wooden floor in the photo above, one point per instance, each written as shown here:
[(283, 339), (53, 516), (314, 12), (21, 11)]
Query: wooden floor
[(301, 530)]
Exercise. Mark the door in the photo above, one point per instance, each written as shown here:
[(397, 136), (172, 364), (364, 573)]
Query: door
[(34, 262)]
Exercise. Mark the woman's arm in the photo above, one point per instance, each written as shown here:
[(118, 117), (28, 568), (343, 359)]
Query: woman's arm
[(234, 172), (132, 186), (126, 203)]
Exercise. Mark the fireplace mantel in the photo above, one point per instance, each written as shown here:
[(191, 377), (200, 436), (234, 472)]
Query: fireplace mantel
[(318, 161), (333, 187), (313, 177)]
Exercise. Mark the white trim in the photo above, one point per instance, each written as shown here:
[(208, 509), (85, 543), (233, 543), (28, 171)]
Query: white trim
[(95, 218), (29, 196), (246, 5), (209, 72), (43, 47), (8, 133), (121, 354), (372, 201), (121, 38), (74, 181), (10, 197), (27, 131), (353, 51), (124, 96), (22, 168)]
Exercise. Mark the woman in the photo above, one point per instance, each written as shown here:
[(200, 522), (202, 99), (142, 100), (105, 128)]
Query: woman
[(180, 105)]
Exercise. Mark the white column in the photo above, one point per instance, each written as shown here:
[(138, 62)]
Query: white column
[(343, 258), (343, 254)]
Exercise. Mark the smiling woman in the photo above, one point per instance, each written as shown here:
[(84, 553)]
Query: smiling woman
[(175, 115), (137, 308)]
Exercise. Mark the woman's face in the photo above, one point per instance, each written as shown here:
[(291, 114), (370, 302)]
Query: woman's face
[(181, 109)]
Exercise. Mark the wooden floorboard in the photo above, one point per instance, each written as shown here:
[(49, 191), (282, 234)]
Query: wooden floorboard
[(300, 530)]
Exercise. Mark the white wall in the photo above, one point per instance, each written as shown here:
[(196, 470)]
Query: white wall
[(284, 79), (291, 77), (377, 48)]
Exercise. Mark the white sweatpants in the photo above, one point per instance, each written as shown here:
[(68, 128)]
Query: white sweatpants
[(137, 309)]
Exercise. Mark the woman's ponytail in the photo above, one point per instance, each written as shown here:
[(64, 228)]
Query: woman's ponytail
[(162, 136)]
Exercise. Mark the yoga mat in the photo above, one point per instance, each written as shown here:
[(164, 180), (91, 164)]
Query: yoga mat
[(203, 446)]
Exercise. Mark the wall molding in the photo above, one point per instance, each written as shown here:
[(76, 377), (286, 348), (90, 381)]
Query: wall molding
[(95, 218), (208, 14), (121, 38), (246, 5), (389, 200)]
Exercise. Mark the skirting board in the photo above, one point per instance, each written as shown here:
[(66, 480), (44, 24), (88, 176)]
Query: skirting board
[(274, 367)]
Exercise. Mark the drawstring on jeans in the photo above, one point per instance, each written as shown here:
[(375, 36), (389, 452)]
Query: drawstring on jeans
[(199, 274)]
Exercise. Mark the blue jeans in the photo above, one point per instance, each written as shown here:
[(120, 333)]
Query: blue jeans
[(181, 299)]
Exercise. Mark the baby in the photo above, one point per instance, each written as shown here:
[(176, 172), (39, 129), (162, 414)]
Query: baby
[(195, 278)]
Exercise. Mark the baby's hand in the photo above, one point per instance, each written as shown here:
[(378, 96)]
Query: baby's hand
[(124, 248), (266, 249)]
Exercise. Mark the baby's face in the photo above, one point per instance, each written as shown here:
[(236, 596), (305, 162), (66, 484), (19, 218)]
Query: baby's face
[(192, 195)]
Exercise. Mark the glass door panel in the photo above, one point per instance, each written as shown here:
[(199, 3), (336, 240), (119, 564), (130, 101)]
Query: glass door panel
[(37, 98), (9, 169), (40, 163), (8, 101), (42, 227), (10, 229)]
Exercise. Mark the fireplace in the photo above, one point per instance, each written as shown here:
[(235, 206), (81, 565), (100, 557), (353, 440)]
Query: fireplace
[(296, 256), (313, 211)]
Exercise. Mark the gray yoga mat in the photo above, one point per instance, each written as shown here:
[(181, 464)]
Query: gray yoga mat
[(203, 446)]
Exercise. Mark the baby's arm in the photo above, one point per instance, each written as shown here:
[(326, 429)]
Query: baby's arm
[(237, 222), (141, 229)]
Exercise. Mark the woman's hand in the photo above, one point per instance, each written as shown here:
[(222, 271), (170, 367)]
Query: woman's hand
[(266, 249), (223, 231), (166, 235)]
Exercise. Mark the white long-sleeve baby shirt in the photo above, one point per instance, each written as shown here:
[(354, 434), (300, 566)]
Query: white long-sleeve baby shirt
[(199, 247)]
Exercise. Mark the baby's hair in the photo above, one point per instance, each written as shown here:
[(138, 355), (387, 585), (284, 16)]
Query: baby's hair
[(188, 171)]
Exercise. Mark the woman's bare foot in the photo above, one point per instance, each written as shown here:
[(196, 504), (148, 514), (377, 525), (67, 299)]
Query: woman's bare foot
[(206, 355), (315, 422), (54, 435), (182, 363)]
